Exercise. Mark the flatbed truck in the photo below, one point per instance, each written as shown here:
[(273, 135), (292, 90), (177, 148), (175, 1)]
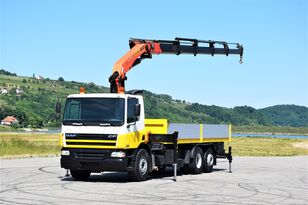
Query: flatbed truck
[(125, 141)]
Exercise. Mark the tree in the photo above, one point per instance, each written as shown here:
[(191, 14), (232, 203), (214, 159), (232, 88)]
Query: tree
[(4, 72), (92, 85), (61, 79)]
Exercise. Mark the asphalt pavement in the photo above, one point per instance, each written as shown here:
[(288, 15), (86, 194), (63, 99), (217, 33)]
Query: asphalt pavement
[(254, 180)]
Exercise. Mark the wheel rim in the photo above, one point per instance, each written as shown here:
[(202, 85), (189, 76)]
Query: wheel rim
[(198, 160), (143, 166), (210, 159)]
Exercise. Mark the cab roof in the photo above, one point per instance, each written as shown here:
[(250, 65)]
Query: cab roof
[(100, 95)]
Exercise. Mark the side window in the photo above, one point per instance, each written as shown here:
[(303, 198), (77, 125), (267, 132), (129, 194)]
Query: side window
[(131, 102)]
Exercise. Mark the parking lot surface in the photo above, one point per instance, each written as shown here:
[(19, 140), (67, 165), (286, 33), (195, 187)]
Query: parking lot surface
[(254, 180)]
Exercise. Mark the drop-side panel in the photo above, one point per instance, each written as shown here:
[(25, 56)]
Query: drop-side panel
[(196, 133), (187, 131), (215, 131)]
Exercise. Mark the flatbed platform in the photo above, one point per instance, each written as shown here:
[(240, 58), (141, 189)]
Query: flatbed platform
[(191, 133)]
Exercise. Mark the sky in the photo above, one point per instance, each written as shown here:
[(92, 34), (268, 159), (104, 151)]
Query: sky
[(81, 40)]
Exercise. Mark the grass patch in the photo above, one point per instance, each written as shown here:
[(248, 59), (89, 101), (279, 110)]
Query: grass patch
[(21, 147), (39, 144), (28, 144), (7, 129), (258, 146)]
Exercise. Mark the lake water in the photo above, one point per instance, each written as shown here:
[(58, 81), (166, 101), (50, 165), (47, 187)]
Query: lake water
[(271, 135)]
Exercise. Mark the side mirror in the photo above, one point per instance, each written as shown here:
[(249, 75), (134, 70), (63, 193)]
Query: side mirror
[(137, 110), (58, 107)]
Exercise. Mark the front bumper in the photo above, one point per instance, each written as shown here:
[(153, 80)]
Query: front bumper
[(94, 160)]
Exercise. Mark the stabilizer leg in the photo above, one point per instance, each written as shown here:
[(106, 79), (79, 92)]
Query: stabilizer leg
[(229, 157)]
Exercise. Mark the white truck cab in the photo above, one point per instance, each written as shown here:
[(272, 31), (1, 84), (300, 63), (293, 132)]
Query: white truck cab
[(107, 113)]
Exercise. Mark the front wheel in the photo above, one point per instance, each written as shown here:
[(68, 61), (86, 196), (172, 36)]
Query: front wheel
[(80, 174), (141, 167)]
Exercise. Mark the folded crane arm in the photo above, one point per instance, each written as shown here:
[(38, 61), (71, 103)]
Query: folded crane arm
[(141, 49)]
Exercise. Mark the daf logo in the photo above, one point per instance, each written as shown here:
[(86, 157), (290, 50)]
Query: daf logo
[(70, 135), (112, 136)]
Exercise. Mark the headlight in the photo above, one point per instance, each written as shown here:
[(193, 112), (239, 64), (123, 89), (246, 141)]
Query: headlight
[(65, 153), (118, 154)]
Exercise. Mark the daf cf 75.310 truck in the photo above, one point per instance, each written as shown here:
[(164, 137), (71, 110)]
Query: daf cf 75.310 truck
[(109, 132)]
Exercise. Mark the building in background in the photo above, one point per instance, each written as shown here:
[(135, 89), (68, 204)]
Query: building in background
[(9, 120)]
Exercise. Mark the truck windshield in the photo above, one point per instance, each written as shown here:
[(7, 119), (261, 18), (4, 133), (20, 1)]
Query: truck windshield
[(94, 112)]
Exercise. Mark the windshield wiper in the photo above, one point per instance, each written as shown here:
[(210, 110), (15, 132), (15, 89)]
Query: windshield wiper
[(77, 123), (73, 122), (106, 123), (99, 123)]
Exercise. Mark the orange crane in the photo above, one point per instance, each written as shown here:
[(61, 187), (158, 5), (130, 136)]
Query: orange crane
[(141, 49)]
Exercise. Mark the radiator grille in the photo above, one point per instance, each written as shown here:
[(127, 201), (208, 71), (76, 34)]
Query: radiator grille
[(73, 139)]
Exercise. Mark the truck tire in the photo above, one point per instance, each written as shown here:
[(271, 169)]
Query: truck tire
[(208, 159), (80, 175), (141, 167), (196, 166)]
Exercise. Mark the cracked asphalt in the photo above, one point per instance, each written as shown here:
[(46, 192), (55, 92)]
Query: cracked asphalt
[(254, 180)]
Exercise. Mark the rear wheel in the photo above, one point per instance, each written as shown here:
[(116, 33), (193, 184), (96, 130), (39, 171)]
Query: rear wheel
[(141, 167), (196, 166), (208, 159), (80, 174)]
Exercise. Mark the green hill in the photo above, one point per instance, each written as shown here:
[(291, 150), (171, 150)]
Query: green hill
[(287, 115), (35, 105), (34, 101)]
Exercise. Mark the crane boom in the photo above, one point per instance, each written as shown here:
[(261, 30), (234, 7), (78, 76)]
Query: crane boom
[(141, 49)]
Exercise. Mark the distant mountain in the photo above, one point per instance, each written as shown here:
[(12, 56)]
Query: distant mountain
[(32, 100), (287, 115), (279, 115)]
